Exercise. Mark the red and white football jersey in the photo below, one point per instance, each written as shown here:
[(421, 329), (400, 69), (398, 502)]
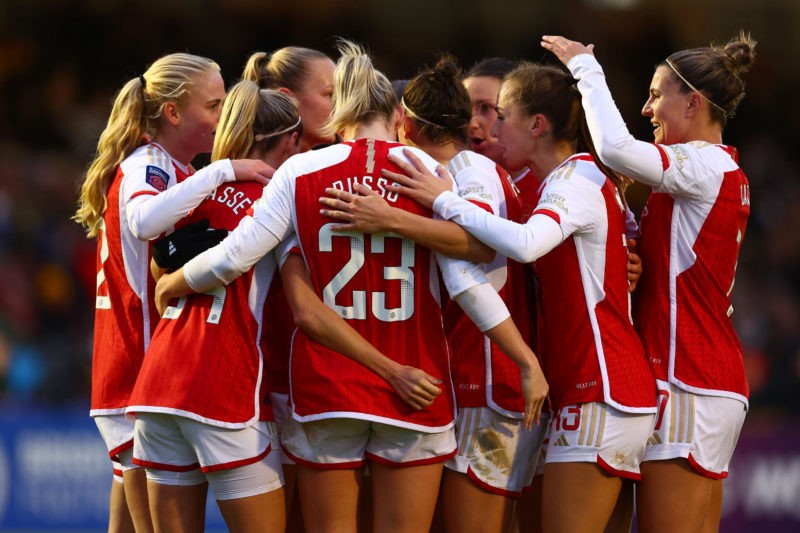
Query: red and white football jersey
[(589, 349), (482, 374), (384, 285), (204, 361), (125, 315), (691, 231)]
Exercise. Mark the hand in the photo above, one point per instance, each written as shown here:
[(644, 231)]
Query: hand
[(534, 389), (634, 265), (417, 182), (564, 49), (170, 286), (366, 211), (252, 170), (416, 387), (172, 251)]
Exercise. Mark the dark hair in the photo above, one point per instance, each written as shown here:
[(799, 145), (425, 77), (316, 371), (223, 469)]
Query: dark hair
[(492, 67), (437, 100), (717, 72), (552, 92), (399, 86)]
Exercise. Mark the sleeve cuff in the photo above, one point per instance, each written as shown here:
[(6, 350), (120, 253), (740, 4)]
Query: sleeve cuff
[(442, 202), (484, 306), (450, 205), (198, 273), (583, 64)]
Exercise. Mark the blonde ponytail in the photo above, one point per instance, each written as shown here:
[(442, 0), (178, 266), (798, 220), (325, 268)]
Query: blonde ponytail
[(360, 93), (135, 112)]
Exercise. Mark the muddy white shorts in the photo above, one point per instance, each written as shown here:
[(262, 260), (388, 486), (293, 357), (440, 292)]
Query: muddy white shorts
[(495, 452), (282, 412), (702, 429), (598, 433)]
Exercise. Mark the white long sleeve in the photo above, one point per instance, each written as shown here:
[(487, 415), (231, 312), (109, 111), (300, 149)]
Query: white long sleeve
[(615, 145), (251, 240), (235, 255), (522, 242), (151, 215)]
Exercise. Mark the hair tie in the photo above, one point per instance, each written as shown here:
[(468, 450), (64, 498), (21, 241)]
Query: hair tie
[(419, 118), (144, 83), (728, 114)]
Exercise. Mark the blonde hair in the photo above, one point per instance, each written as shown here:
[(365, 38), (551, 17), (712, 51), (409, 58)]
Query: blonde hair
[(254, 118), (136, 110), (360, 93), (287, 67)]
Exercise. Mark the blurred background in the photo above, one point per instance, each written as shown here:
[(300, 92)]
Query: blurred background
[(61, 63)]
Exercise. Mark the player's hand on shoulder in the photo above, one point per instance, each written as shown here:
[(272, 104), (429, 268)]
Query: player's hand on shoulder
[(366, 211), (252, 170), (415, 179)]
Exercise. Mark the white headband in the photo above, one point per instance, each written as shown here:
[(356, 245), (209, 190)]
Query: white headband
[(261, 136), (417, 117), (728, 114)]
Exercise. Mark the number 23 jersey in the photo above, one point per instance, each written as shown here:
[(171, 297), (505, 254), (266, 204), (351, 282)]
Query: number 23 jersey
[(384, 285)]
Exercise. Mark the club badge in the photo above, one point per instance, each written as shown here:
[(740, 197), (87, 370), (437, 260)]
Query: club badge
[(156, 178)]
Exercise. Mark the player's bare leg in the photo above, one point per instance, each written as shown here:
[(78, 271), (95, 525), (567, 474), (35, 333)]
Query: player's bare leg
[(468, 507), (577, 498), (329, 498), (437, 523), (714, 514), (178, 508), (119, 518), (294, 517), (404, 497), (135, 483), (672, 497), (622, 518), (263, 513)]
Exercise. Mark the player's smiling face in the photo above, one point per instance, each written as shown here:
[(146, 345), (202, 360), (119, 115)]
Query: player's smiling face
[(667, 107), (200, 112)]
